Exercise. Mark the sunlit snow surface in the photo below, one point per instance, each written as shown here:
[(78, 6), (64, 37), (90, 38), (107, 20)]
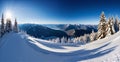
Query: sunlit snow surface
[(18, 47)]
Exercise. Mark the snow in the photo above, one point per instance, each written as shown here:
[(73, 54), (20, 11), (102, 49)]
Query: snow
[(19, 47)]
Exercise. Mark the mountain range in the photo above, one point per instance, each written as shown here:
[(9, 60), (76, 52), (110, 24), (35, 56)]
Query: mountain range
[(57, 30)]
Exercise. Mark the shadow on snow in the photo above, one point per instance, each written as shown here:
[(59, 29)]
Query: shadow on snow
[(78, 55)]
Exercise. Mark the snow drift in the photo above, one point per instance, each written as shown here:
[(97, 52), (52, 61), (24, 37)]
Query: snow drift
[(18, 47)]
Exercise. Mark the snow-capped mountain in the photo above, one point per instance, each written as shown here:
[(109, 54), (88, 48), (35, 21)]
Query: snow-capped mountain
[(57, 30), (40, 31), (66, 27), (19, 47)]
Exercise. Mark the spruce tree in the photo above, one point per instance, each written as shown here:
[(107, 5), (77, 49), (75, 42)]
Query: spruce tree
[(119, 26), (116, 25), (102, 27), (2, 26), (0, 33), (110, 27), (8, 25), (15, 28)]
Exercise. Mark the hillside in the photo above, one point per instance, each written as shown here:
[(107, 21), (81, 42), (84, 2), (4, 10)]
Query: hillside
[(18, 47)]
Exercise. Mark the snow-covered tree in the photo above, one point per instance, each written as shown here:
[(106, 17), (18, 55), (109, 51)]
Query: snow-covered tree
[(78, 40), (110, 27), (119, 26), (74, 40), (0, 33), (116, 25), (53, 40), (86, 38), (15, 28), (69, 40), (57, 40), (63, 40), (102, 27), (2, 29), (81, 38), (8, 25), (93, 36)]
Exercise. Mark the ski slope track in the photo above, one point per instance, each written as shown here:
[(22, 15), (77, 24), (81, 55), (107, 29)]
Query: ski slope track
[(19, 47)]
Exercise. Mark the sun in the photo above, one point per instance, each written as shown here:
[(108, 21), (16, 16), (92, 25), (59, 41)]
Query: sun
[(8, 15)]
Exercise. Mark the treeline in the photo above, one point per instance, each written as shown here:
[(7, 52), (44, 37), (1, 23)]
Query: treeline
[(7, 27)]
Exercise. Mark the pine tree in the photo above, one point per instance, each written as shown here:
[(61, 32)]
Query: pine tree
[(116, 25), (102, 27), (119, 26), (8, 25), (2, 26), (0, 33), (15, 28), (110, 27)]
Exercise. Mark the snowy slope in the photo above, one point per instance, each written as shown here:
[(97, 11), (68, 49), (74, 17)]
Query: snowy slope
[(18, 47)]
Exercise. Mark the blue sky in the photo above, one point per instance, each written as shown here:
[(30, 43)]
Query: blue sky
[(60, 11)]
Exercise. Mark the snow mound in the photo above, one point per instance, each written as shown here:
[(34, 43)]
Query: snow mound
[(18, 47)]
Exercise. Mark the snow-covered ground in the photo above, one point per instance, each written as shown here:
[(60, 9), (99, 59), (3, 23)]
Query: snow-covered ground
[(18, 47)]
